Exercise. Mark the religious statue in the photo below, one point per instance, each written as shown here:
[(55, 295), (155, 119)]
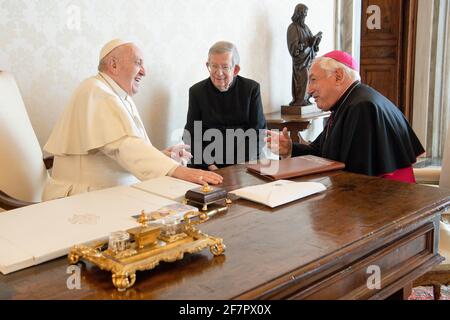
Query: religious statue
[(303, 47)]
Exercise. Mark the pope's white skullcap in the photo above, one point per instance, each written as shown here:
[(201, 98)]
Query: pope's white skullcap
[(110, 46)]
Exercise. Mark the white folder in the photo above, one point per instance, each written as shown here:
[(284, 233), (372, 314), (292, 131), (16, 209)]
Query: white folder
[(274, 194)]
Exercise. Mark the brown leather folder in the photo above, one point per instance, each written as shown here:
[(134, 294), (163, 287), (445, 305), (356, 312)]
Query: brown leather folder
[(294, 167)]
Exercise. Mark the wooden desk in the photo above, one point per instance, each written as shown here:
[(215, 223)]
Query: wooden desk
[(294, 123), (315, 248)]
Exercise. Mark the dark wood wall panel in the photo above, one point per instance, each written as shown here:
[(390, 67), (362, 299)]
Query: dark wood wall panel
[(383, 74), (387, 54)]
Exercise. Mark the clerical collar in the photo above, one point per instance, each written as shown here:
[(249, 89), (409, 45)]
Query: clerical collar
[(347, 92), (116, 88), (232, 85)]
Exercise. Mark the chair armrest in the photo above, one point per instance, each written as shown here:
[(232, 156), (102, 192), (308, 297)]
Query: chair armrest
[(9, 203), (48, 161)]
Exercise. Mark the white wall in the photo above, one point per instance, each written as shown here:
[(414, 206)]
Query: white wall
[(49, 56)]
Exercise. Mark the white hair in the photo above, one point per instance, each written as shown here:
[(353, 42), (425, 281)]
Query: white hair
[(330, 65), (223, 47), (102, 65)]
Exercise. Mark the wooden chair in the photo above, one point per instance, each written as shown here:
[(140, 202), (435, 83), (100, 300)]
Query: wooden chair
[(23, 172), (440, 274)]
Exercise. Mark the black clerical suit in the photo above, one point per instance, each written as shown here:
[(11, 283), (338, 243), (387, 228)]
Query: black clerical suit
[(240, 107), (367, 132)]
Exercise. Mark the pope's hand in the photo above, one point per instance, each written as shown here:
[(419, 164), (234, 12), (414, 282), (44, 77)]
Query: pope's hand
[(179, 153), (280, 144), (197, 176)]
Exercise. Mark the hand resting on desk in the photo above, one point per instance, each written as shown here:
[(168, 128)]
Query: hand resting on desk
[(197, 176)]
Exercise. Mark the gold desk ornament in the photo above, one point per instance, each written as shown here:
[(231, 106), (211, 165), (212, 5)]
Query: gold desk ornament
[(149, 244), (207, 188), (143, 219), (145, 234)]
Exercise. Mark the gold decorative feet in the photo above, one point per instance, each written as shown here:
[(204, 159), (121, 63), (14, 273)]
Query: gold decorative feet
[(217, 249), (73, 258), (123, 281)]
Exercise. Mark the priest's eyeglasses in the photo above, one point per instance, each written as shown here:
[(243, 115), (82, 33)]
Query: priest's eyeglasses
[(216, 68)]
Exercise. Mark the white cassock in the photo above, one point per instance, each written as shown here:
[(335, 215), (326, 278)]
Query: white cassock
[(100, 142)]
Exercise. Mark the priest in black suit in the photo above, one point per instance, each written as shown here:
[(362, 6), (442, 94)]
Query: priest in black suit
[(225, 121)]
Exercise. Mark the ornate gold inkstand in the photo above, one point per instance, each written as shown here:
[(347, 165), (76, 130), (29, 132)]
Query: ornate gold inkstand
[(144, 247)]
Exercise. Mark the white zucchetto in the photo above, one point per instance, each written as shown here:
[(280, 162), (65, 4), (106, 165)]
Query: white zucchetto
[(110, 46)]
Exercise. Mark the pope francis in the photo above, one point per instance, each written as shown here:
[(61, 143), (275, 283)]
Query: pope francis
[(100, 140)]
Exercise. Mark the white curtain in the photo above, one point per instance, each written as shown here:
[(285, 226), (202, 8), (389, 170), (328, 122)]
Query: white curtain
[(439, 98), (347, 27)]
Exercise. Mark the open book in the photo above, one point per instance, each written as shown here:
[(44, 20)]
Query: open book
[(294, 167), (274, 194)]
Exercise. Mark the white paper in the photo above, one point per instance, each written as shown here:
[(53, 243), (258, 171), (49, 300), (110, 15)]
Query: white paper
[(167, 187), (279, 192)]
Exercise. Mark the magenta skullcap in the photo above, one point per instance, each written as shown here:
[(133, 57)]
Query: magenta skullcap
[(344, 58)]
